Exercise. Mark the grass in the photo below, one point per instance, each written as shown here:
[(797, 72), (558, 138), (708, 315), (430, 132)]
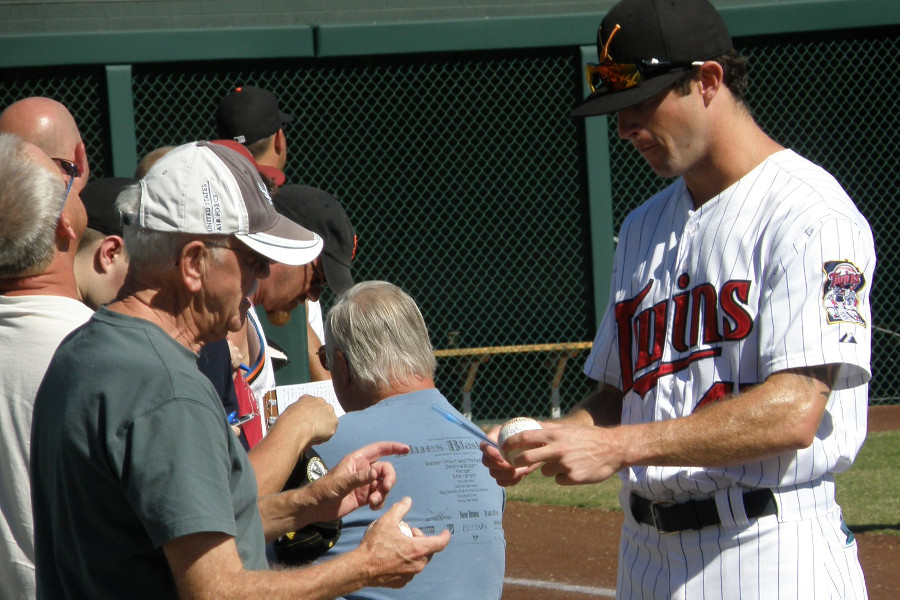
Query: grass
[(869, 492)]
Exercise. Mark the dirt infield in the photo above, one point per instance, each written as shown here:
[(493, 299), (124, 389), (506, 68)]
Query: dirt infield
[(578, 546)]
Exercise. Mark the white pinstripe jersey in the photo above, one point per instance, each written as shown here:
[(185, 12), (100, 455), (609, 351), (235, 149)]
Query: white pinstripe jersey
[(772, 274)]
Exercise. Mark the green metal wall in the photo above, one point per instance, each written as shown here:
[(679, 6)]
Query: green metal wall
[(449, 145)]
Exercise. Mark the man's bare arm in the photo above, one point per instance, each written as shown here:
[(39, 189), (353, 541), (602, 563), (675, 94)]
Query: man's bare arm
[(207, 565), (782, 414)]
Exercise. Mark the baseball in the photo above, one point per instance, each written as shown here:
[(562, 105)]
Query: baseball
[(511, 428), (404, 528)]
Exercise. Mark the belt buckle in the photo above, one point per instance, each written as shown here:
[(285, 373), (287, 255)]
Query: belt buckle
[(654, 516)]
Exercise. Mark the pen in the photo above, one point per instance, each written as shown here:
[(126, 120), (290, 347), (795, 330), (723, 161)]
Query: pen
[(233, 419), (468, 427)]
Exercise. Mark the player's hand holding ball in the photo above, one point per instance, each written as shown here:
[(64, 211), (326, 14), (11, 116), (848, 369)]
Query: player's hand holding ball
[(500, 461), (511, 428)]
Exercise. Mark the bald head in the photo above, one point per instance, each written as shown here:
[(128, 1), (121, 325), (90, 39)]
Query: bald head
[(48, 125), (45, 123)]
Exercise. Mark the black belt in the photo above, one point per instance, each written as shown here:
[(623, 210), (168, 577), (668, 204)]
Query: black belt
[(668, 517)]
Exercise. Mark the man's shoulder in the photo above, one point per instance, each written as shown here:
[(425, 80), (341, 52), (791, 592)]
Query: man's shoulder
[(57, 308), (809, 192), (665, 201), (396, 415)]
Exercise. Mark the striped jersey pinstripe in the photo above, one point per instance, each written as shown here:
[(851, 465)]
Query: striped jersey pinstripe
[(774, 273), (733, 293)]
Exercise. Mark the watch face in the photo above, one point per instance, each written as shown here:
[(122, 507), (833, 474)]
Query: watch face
[(315, 468)]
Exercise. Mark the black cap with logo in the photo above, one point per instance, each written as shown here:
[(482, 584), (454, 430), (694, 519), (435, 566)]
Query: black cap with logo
[(678, 31), (249, 114)]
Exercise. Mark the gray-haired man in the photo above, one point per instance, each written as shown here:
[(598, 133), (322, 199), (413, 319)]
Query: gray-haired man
[(41, 220), (141, 489), (382, 365)]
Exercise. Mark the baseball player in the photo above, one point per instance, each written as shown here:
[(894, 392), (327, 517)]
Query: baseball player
[(733, 357)]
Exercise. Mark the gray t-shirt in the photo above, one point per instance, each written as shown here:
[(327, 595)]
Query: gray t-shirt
[(449, 487), (131, 449)]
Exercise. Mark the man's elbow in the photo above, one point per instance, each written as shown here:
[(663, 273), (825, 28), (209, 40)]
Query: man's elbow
[(801, 431)]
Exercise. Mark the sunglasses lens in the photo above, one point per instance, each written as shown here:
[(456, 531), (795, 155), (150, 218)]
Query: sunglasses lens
[(615, 76), (67, 167)]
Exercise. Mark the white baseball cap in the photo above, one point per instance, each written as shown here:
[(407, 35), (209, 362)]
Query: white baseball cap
[(208, 189)]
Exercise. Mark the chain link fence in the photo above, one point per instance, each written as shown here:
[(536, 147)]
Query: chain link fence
[(461, 175), (82, 90), (465, 180)]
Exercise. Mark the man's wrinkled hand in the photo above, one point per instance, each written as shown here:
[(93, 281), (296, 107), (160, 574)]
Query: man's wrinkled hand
[(395, 558)]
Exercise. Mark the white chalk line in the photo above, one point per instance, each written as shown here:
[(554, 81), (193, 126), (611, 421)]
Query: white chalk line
[(563, 587)]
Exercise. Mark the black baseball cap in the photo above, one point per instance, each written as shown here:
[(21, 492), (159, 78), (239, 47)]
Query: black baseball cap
[(667, 30), (321, 213), (99, 199), (249, 114)]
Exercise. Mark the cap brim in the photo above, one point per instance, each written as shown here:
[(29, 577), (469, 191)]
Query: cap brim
[(285, 118), (604, 102), (285, 242), (337, 274), (276, 175)]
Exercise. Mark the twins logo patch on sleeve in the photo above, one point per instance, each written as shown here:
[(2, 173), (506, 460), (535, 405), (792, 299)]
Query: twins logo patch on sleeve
[(840, 294)]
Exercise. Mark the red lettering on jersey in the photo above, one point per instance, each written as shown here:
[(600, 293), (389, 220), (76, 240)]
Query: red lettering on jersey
[(705, 302), (643, 383), (682, 304), (624, 312), (844, 279), (650, 332), (739, 322), (642, 335)]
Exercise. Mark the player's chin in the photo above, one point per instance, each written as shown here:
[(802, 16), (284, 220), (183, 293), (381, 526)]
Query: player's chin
[(314, 293), (279, 318)]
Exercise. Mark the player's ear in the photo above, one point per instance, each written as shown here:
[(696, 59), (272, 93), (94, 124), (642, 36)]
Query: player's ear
[(710, 80)]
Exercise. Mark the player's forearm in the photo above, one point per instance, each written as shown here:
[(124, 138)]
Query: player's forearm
[(602, 407), (780, 415)]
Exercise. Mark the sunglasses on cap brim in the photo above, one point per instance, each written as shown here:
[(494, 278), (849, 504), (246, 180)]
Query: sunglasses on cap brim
[(621, 76)]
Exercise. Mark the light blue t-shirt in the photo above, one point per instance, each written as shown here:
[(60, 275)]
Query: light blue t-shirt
[(450, 489)]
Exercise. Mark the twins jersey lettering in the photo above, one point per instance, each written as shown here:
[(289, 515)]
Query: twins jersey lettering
[(772, 274)]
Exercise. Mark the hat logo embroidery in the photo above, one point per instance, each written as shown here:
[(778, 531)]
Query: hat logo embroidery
[(212, 208), (604, 56), (264, 191)]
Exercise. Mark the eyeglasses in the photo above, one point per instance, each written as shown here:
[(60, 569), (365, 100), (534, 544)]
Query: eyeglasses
[(67, 167), (323, 357), (62, 205), (621, 76), (257, 260)]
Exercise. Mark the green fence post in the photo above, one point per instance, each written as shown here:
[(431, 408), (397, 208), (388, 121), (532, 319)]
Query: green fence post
[(599, 185), (291, 337), (122, 139)]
